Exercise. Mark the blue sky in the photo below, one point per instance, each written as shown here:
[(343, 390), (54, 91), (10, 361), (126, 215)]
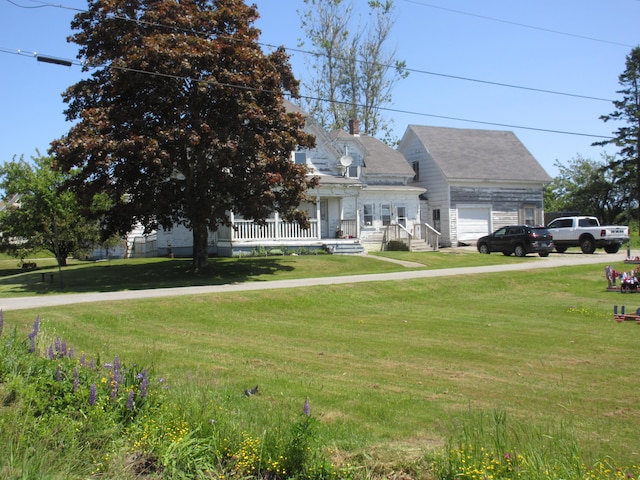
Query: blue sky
[(457, 51)]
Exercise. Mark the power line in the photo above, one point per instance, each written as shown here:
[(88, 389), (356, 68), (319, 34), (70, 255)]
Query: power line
[(411, 70), (517, 24), (61, 61), (247, 88)]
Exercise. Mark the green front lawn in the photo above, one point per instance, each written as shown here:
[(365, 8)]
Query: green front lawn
[(393, 370)]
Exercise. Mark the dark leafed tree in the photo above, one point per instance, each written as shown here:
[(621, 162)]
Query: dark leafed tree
[(627, 138), (182, 119), (354, 71)]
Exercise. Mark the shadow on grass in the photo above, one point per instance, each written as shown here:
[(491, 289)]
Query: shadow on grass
[(126, 275)]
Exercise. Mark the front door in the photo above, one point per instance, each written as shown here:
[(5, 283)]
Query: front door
[(324, 219)]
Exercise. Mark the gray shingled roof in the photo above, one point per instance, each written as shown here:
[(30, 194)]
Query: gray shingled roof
[(467, 154), (379, 158)]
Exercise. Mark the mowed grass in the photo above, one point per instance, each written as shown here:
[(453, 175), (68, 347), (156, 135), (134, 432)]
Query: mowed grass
[(137, 274), (390, 368)]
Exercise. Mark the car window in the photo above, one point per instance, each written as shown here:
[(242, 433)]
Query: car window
[(500, 232), (516, 231), (561, 223), (588, 222)]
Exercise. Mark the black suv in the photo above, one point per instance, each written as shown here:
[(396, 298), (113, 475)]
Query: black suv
[(518, 239)]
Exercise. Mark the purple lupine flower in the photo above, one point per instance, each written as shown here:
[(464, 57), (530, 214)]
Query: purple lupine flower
[(36, 326), (130, 402), (71, 352), (58, 346), (144, 383), (92, 364), (92, 394), (306, 408), (50, 353), (76, 380), (32, 335), (58, 374)]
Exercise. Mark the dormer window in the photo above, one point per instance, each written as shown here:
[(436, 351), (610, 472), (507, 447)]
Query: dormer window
[(352, 171), (300, 158)]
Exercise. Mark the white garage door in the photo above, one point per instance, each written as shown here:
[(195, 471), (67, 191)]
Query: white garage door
[(473, 223)]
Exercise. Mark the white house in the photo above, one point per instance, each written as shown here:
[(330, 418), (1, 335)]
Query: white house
[(476, 181), (364, 200)]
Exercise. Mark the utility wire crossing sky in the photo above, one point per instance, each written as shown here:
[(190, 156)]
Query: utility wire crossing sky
[(546, 71)]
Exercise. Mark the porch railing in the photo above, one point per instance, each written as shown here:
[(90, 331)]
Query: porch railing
[(430, 236), (273, 229), (397, 232), (348, 228)]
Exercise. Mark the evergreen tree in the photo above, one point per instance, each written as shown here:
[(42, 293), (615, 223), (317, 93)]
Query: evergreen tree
[(626, 163)]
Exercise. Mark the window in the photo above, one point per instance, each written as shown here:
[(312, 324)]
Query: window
[(588, 222), (367, 214), (529, 215), (435, 215), (385, 213), (416, 169), (561, 223), (352, 171), (300, 158)]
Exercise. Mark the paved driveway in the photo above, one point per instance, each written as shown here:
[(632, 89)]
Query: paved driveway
[(552, 261)]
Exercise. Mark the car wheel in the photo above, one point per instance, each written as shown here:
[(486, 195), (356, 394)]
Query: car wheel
[(561, 249), (519, 251), (612, 248), (483, 248), (587, 245), (543, 254)]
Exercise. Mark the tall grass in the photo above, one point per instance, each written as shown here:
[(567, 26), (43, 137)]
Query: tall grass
[(529, 364)]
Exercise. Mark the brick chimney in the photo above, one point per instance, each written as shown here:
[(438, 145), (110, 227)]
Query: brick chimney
[(354, 127)]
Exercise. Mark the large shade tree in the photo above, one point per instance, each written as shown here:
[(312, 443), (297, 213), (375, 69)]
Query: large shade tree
[(627, 137), (183, 118)]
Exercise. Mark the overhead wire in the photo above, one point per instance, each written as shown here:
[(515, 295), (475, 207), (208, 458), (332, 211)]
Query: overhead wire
[(517, 24), (408, 69), (388, 109)]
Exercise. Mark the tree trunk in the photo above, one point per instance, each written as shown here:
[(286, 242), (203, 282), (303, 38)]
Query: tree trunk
[(200, 248), (62, 260)]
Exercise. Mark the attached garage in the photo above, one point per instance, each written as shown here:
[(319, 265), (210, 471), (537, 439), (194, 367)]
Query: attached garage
[(473, 223)]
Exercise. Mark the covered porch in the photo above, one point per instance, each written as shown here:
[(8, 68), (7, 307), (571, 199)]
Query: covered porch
[(334, 226)]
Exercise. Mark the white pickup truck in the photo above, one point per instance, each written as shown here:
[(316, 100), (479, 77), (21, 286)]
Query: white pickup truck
[(586, 233)]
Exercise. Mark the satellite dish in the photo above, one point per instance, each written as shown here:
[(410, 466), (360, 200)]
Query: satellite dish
[(346, 160)]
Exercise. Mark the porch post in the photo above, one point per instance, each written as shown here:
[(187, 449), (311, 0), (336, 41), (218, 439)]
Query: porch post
[(276, 225), (232, 233), (357, 219), (318, 219)]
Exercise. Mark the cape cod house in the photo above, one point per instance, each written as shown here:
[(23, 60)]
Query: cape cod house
[(476, 181), (364, 199)]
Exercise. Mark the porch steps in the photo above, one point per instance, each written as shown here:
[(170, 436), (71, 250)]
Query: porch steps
[(344, 248)]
